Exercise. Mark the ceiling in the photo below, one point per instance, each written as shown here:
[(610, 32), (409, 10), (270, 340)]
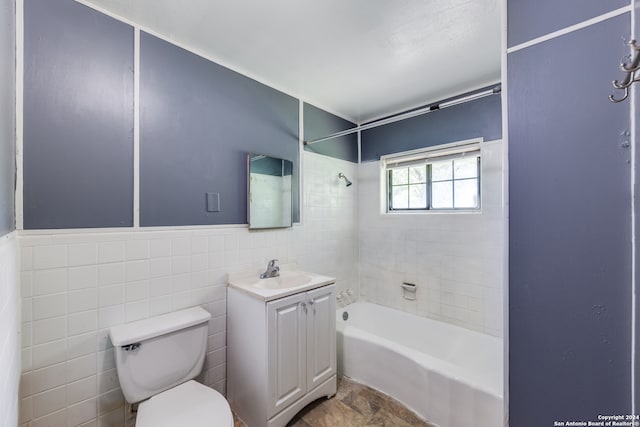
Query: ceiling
[(361, 59)]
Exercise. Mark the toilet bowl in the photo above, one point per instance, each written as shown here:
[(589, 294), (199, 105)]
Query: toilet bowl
[(157, 360), (190, 404)]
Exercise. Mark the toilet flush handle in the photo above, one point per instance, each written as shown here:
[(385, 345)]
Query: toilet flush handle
[(131, 347)]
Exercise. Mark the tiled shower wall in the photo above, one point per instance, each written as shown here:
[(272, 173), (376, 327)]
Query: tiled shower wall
[(9, 333), (77, 285), (455, 259)]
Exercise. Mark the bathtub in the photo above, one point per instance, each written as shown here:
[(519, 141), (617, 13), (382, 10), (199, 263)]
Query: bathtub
[(449, 375)]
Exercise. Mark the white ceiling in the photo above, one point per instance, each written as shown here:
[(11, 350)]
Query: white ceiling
[(361, 59)]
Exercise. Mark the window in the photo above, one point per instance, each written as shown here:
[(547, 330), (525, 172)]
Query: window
[(443, 179)]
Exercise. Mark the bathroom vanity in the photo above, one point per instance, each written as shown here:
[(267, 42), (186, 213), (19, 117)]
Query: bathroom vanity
[(281, 345)]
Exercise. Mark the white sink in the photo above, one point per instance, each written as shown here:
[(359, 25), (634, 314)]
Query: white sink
[(287, 283), (286, 279)]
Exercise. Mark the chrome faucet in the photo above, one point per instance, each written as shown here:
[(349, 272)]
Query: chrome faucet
[(272, 270)]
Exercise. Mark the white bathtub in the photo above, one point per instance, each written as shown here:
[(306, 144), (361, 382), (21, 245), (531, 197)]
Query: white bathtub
[(449, 375)]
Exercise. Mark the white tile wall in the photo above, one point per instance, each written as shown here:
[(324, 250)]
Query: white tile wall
[(76, 286), (9, 331), (455, 259)]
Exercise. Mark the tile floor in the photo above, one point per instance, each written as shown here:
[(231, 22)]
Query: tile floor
[(355, 405)]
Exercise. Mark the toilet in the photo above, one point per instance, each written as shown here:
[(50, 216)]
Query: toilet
[(157, 360)]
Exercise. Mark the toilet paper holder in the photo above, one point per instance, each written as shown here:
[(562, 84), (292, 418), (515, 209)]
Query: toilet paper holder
[(409, 291)]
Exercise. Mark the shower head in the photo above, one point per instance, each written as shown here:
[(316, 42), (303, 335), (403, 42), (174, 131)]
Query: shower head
[(346, 180)]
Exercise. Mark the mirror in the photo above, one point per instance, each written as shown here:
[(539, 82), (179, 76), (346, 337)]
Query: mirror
[(270, 196)]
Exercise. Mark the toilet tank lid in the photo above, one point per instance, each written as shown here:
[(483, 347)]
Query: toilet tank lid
[(141, 330)]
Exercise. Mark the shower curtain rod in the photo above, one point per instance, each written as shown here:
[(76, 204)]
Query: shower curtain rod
[(409, 114)]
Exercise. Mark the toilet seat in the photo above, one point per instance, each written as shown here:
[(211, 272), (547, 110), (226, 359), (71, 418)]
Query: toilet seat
[(190, 404)]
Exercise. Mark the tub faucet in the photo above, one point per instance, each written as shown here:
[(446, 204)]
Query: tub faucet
[(272, 270)]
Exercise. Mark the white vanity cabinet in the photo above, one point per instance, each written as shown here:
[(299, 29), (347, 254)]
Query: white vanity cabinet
[(281, 353)]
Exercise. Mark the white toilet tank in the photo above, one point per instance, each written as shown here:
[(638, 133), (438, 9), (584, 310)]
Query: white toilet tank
[(156, 354)]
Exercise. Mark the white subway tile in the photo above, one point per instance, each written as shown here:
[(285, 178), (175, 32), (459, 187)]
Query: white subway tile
[(160, 286), (49, 306), (180, 264), (181, 246), (199, 262), (135, 291), (51, 256), (81, 390), (81, 412), (81, 367), (26, 258), (137, 270), (104, 342), (49, 281), (49, 330), (111, 274), (159, 305), (159, 267), (26, 410), (136, 310), (107, 381), (180, 283), (81, 345), (106, 360), (56, 419), (180, 300), (27, 359), (216, 243), (26, 284), (111, 252), (26, 384), (110, 316), (114, 418), (27, 334), (27, 309), (81, 323), (110, 401), (82, 300), (198, 244), (110, 295), (137, 249), (49, 354), (216, 260), (160, 248), (217, 357), (82, 277), (48, 378), (83, 254), (217, 341)]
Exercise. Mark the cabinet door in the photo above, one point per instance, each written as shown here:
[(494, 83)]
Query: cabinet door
[(321, 335), (287, 351)]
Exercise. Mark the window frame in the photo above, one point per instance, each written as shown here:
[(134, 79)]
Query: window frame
[(429, 156)]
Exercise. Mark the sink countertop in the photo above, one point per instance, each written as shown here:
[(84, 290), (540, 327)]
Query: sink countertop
[(250, 283)]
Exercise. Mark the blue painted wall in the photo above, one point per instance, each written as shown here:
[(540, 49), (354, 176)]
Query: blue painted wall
[(479, 118), (528, 19), (319, 123), (569, 230), (7, 116), (198, 121), (78, 117)]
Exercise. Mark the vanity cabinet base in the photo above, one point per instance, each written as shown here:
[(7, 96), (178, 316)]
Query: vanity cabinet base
[(328, 389)]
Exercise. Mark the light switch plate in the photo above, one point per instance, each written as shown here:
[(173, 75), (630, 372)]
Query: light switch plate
[(213, 202)]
